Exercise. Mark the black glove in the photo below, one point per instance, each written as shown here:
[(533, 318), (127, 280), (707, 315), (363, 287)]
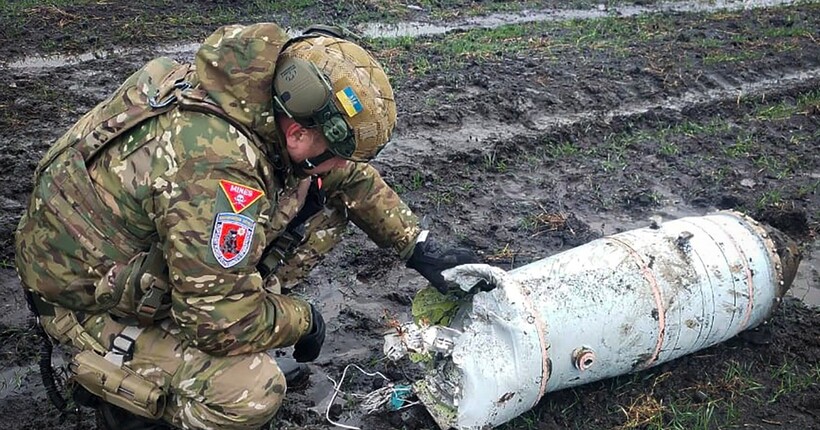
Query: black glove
[(430, 259), (310, 345)]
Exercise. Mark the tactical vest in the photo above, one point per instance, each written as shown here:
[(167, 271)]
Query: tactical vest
[(63, 185), (156, 88)]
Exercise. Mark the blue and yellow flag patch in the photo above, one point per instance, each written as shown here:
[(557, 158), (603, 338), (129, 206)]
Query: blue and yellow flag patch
[(350, 101)]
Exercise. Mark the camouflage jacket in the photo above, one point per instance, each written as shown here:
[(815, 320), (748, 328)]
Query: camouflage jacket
[(189, 179)]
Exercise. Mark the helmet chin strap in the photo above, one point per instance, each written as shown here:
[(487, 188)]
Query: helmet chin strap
[(314, 162)]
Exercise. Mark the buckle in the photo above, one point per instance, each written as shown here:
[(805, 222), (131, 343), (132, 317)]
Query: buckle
[(288, 241), (122, 346), (151, 303), (156, 103), (278, 250)]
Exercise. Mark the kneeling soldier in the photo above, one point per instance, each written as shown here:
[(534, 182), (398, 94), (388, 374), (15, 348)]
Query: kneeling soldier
[(163, 224)]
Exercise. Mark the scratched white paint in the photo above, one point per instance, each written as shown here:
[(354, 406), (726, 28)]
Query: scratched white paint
[(628, 301)]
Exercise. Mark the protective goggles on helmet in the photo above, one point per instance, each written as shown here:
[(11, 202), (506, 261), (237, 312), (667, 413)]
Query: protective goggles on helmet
[(305, 94)]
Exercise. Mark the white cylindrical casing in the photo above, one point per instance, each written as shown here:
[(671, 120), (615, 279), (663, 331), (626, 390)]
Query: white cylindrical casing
[(615, 305)]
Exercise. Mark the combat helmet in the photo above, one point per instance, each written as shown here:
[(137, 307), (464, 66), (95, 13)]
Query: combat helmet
[(328, 82)]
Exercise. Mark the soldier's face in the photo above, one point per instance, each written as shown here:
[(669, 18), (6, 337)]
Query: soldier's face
[(304, 143)]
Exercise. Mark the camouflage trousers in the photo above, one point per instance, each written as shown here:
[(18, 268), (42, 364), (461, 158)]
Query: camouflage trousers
[(206, 391)]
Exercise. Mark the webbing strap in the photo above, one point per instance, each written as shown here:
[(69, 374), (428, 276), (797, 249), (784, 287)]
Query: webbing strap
[(66, 326), (122, 347), (152, 279), (293, 236), (312, 163)]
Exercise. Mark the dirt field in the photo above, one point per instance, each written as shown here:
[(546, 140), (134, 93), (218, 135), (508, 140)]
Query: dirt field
[(519, 142)]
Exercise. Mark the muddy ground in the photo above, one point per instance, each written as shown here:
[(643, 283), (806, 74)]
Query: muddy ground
[(520, 148)]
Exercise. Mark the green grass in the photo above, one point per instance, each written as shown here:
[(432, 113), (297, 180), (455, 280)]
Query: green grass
[(439, 198), (606, 33), (613, 163), (16, 381), (790, 380), (466, 186), (737, 380), (282, 5), (543, 221), (562, 149), (665, 140), (607, 36), (17, 6), (744, 146), (615, 151), (786, 109), (809, 100), (724, 57), (669, 149), (416, 181), (618, 144), (457, 9), (494, 164), (806, 190), (769, 198), (779, 168), (710, 43), (791, 30), (144, 23), (776, 112)]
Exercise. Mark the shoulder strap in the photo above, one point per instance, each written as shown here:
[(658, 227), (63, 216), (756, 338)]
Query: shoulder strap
[(197, 100), (146, 93)]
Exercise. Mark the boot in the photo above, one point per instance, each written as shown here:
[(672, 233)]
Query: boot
[(110, 417), (296, 374)]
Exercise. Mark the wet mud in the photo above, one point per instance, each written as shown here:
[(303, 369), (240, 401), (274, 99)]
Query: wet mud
[(519, 154)]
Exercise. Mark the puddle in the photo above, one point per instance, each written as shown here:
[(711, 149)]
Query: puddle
[(53, 61), (806, 285), (415, 29)]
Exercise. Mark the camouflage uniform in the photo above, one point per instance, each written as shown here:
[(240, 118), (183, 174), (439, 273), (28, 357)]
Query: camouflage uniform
[(179, 179)]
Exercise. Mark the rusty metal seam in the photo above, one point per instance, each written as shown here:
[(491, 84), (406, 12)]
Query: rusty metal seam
[(750, 289), (656, 293), (771, 249), (708, 275)]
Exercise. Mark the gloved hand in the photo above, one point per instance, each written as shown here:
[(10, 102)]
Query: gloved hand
[(431, 258), (310, 345)]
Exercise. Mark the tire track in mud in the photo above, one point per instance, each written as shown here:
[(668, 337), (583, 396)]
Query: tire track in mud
[(419, 29), (417, 145), (408, 144), (415, 29), (482, 137)]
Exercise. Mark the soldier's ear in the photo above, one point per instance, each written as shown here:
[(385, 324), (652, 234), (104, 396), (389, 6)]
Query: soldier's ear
[(294, 133)]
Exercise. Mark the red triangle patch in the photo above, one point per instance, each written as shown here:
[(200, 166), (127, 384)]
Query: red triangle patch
[(240, 196)]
